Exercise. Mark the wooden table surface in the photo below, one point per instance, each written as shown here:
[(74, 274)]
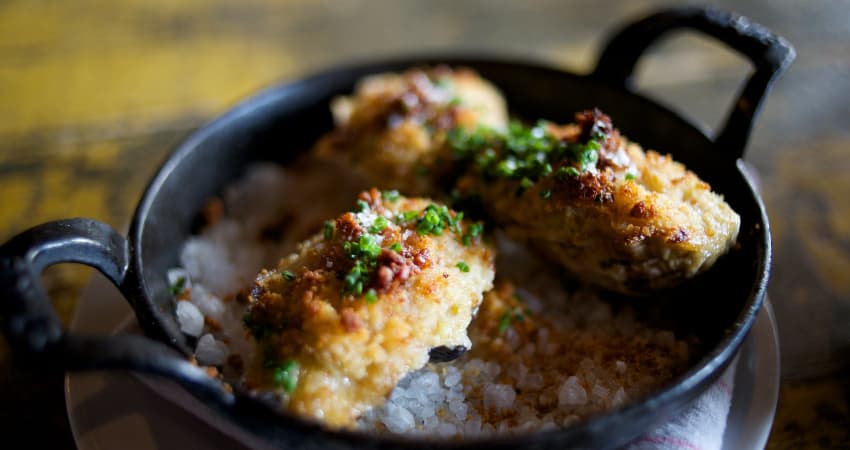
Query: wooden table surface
[(93, 95)]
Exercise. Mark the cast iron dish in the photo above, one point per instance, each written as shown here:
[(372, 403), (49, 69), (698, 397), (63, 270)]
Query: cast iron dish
[(719, 307)]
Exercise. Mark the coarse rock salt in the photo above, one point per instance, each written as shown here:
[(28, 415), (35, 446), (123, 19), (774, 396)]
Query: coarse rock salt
[(430, 423), (452, 378), (397, 419), (512, 339), (209, 264), (600, 391), (189, 318), (209, 305), (493, 369), (571, 393), (498, 397), (446, 429), (210, 352), (459, 409), (472, 427)]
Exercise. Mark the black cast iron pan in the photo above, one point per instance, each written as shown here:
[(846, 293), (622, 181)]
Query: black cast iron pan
[(718, 307)]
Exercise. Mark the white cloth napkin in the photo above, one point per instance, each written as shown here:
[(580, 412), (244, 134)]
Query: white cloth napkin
[(700, 426)]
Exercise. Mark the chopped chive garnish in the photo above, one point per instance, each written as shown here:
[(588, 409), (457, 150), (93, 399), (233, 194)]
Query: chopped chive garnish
[(473, 230), (464, 267), (371, 296), (455, 101), (178, 286), (545, 194), (362, 206), (631, 176), (511, 316), (380, 224), (524, 153), (567, 172), (329, 230), (443, 82), (286, 376), (504, 322), (396, 247), (435, 219), (288, 275), (390, 196), (356, 277), (366, 246), (407, 216)]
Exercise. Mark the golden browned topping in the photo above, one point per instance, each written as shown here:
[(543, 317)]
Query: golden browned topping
[(583, 195), (360, 305), (393, 129)]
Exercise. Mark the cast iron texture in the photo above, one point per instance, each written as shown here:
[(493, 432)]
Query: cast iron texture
[(719, 307)]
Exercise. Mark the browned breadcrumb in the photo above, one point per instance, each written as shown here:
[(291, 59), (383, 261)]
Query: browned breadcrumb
[(634, 222), (392, 130), (351, 350)]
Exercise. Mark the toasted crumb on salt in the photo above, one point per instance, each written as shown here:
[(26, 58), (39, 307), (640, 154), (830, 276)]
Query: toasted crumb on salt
[(619, 398), (499, 396), (190, 319), (620, 367), (600, 391)]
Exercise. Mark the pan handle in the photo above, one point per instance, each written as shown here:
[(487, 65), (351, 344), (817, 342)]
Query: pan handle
[(34, 331), (770, 54)]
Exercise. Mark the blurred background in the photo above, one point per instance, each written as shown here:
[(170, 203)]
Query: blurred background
[(94, 94)]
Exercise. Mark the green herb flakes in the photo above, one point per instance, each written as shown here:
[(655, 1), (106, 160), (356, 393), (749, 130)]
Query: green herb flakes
[(390, 196), (524, 153), (566, 172), (504, 322), (356, 278), (362, 206), (286, 376), (178, 287), (407, 216), (371, 296), (380, 224), (464, 267), (474, 230), (508, 317), (329, 230), (435, 219), (288, 275)]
